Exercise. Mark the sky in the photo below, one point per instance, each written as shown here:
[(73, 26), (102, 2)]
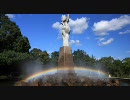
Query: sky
[(100, 35)]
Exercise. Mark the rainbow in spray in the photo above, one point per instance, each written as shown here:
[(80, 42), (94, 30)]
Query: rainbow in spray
[(78, 70)]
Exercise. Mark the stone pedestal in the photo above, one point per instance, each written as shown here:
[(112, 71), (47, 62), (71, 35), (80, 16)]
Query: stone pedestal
[(65, 60)]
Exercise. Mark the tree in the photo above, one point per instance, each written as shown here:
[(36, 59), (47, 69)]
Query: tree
[(10, 61), (45, 59), (38, 54), (11, 37), (79, 57), (106, 63), (126, 67), (14, 47), (116, 68), (22, 45), (54, 58), (90, 61)]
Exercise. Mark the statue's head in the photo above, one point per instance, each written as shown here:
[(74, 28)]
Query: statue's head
[(63, 18)]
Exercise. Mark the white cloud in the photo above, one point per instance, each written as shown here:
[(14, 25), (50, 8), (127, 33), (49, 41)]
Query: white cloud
[(109, 41), (100, 39), (57, 25), (10, 16), (103, 27), (78, 26), (125, 32), (75, 42)]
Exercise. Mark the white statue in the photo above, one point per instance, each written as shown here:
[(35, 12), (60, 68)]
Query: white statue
[(65, 30)]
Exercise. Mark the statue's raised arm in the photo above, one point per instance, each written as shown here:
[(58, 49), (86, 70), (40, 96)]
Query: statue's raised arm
[(68, 17)]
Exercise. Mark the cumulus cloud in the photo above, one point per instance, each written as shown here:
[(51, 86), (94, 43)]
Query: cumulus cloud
[(109, 41), (103, 27), (78, 26), (10, 16), (57, 25), (75, 42), (100, 39), (125, 32)]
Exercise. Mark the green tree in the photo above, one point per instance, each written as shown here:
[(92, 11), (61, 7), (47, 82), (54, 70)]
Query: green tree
[(106, 63), (38, 54), (10, 61), (90, 61), (116, 68), (14, 47), (126, 67), (11, 37), (45, 58), (79, 57), (54, 58)]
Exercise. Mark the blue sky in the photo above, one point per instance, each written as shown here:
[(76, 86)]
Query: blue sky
[(100, 35)]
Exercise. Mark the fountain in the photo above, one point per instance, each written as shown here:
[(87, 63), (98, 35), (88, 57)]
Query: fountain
[(66, 74), (65, 56)]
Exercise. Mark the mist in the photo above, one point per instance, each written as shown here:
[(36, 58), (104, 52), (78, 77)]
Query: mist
[(34, 66)]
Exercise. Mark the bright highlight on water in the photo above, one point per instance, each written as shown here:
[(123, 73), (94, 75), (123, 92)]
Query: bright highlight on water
[(88, 72)]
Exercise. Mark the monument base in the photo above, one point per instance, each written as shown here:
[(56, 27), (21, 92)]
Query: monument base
[(65, 61)]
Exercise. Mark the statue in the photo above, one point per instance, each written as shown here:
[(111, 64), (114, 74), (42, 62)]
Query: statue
[(65, 30), (65, 55)]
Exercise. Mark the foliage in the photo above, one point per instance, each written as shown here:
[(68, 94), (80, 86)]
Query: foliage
[(11, 37), (54, 58), (116, 68), (14, 47), (80, 57), (38, 54), (10, 61)]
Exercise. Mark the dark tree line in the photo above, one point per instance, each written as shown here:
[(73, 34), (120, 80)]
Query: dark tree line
[(14, 51)]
